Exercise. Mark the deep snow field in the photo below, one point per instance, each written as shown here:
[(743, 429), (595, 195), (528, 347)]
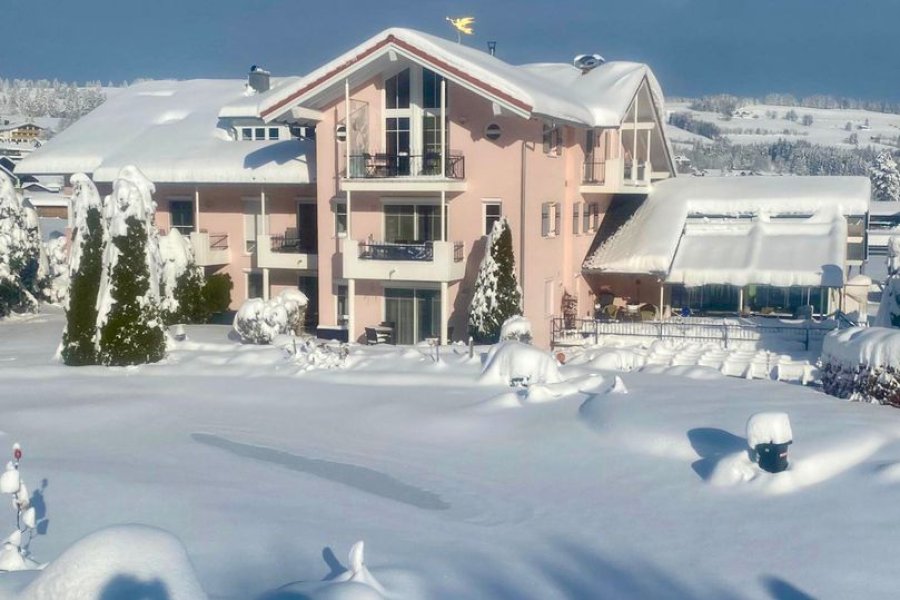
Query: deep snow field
[(268, 474)]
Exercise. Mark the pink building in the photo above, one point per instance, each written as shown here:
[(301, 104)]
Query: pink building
[(371, 182)]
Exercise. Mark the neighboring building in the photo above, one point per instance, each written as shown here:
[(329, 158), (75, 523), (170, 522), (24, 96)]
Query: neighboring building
[(442, 140), (211, 183), (738, 244), (21, 132)]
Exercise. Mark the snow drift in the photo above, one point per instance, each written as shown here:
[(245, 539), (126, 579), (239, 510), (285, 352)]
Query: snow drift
[(510, 361)]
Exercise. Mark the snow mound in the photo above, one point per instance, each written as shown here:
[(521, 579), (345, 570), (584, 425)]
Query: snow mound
[(697, 372), (618, 386), (125, 562), (516, 328), (872, 346), (769, 428), (356, 583), (514, 361)]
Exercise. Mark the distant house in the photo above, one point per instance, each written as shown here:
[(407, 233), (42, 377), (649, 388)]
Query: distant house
[(21, 132)]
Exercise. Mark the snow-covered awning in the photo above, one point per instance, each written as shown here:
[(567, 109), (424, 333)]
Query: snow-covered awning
[(792, 252), (758, 230)]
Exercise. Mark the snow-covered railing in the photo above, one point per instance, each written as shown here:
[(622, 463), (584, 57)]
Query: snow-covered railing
[(806, 335)]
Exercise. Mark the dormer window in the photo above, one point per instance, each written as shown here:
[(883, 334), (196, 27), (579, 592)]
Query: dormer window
[(246, 133), (259, 134)]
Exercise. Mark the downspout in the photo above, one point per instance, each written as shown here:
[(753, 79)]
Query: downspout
[(522, 225)]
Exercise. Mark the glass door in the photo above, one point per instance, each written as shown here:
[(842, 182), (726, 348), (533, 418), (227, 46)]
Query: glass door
[(307, 228), (428, 314), (310, 287), (399, 310)]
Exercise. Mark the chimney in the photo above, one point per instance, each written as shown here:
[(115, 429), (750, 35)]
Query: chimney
[(258, 79), (492, 48)]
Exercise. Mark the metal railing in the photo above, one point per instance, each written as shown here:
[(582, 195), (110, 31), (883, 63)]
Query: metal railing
[(387, 251), (218, 241), (384, 166), (567, 331), (594, 172), (457, 251), (292, 245)]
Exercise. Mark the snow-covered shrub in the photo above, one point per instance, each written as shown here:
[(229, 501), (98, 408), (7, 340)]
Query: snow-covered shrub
[(182, 281), (56, 288), (310, 355), (863, 364), (125, 561), (497, 295), (889, 308), (14, 555), (885, 178), (516, 328), (259, 321), (84, 272), (129, 320), (20, 252), (514, 362)]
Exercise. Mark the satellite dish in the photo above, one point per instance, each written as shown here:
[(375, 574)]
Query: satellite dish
[(586, 62)]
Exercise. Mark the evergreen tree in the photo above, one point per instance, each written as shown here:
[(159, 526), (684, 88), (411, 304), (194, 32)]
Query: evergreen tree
[(19, 253), (189, 294), (497, 295), (85, 268), (885, 178), (129, 319)]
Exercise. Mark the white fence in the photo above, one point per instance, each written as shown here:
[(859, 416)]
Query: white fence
[(730, 333)]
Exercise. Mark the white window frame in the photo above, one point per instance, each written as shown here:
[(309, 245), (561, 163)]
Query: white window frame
[(260, 229), (335, 204), (485, 202)]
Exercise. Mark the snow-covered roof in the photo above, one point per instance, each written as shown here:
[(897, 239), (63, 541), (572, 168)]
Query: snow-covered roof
[(171, 131), (598, 98), (884, 208), (742, 239)]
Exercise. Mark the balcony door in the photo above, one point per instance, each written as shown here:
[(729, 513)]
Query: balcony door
[(412, 223), (307, 228), (415, 314)]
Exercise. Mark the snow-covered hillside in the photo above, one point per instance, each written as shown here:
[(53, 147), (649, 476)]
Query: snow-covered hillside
[(763, 123), (268, 472)]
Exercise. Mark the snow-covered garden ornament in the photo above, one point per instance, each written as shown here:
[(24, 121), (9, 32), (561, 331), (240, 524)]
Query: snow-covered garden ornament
[(769, 435), (14, 555)]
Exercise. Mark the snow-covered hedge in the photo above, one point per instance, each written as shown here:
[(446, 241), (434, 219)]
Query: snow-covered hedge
[(259, 321), (863, 363)]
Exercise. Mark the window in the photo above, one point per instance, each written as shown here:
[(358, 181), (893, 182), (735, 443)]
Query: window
[(253, 224), (595, 216), (254, 284), (181, 215), (415, 313), (431, 89), (576, 209), (492, 132), (273, 133), (246, 133), (586, 218), (552, 139), (340, 219), (260, 133), (492, 214), (343, 306), (545, 219), (408, 223), (396, 90), (397, 142)]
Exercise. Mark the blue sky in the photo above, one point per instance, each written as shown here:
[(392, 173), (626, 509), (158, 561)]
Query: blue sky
[(747, 47)]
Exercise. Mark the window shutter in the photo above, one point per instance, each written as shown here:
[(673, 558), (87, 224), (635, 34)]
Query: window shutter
[(545, 219), (575, 216), (557, 215)]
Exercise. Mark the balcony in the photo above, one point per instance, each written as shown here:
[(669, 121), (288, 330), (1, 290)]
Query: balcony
[(404, 172), (210, 249), (283, 252), (614, 176), (426, 261)]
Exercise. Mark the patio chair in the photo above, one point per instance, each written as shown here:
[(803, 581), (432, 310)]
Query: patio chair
[(612, 312), (372, 337)]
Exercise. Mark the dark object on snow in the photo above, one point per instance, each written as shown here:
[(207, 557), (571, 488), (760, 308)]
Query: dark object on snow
[(772, 457)]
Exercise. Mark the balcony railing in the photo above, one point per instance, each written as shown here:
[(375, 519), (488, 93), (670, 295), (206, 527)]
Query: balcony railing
[(640, 176), (384, 166), (458, 251), (594, 172), (388, 251), (292, 244)]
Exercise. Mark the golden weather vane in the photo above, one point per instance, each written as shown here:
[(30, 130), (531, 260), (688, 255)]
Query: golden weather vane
[(462, 25)]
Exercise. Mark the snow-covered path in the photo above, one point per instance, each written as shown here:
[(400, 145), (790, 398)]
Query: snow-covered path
[(261, 471)]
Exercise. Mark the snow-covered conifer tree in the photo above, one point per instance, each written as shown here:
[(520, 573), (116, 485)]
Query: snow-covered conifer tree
[(20, 252), (130, 327), (497, 295), (885, 178), (85, 269)]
